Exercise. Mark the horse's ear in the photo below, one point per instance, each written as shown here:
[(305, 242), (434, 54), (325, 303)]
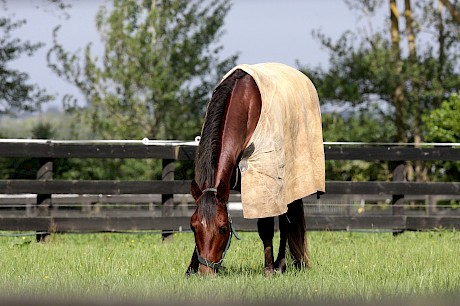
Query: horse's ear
[(195, 190), (222, 192)]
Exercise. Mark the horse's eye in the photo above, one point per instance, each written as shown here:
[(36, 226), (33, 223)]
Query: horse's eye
[(222, 230), (192, 228)]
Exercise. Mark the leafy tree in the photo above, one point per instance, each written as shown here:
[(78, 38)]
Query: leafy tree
[(356, 126), (404, 81), (453, 10), (159, 65), (365, 124), (154, 79), (443, 123), (26, 168), (17, 94)]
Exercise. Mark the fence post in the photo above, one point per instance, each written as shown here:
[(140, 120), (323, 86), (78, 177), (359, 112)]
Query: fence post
[(45, 172), (430, 205), (167, 200), (397, 200)]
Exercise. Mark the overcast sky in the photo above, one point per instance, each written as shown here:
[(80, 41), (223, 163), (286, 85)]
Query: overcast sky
[(259, 30)]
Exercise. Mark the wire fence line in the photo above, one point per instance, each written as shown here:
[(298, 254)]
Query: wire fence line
[(195, 142)]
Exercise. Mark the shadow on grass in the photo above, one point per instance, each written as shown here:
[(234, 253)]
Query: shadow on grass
[(241, 269)]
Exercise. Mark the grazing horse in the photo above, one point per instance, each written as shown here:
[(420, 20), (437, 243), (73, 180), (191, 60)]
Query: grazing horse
[(241, 149)]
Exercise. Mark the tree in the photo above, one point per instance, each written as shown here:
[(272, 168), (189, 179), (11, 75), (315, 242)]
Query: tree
[(159, 65), (17, 94), (453, 10), (26, 168), (443, 123), (356, 126), (405, 82)]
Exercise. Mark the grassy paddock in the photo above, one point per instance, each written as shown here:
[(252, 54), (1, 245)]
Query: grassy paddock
[(344, 266)]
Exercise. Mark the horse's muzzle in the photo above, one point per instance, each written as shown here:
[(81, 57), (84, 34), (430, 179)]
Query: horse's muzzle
[(207, 271)]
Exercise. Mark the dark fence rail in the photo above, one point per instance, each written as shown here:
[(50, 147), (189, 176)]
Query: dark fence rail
[(85, 216), (183, 187), (176, 151)]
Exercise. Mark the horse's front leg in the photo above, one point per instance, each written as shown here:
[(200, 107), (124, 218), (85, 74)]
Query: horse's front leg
[(194, 264), (266, 229)]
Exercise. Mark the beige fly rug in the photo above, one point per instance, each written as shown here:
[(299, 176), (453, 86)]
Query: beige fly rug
[(284, 160)]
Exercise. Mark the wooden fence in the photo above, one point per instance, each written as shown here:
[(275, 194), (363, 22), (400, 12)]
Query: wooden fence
[(46, 204)]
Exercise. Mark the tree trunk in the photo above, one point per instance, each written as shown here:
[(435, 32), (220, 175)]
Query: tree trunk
[(455, 12), (398, 92), (420, 171), (442, 47), (410, 30), (394, 17)]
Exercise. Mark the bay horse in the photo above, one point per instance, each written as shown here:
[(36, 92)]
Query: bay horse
[(231, 119)]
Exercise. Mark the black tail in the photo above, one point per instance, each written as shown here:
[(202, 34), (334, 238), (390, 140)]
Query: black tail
[(296, 234)]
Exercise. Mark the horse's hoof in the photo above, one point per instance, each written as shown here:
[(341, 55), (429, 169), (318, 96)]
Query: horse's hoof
[(280, 266), (268, 272)]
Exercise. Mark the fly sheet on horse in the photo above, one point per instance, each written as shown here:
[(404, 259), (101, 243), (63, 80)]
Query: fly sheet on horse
[(284, 160)]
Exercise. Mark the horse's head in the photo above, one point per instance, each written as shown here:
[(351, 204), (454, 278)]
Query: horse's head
[(211, 225)]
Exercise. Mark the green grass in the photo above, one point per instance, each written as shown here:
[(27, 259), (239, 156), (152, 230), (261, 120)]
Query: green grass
[(344, 266)]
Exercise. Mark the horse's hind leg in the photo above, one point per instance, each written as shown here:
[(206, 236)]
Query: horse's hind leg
[(266, 228), (280, 263)]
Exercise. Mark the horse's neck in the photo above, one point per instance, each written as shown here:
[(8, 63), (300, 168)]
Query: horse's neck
[(240, 120), (231, 148)]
